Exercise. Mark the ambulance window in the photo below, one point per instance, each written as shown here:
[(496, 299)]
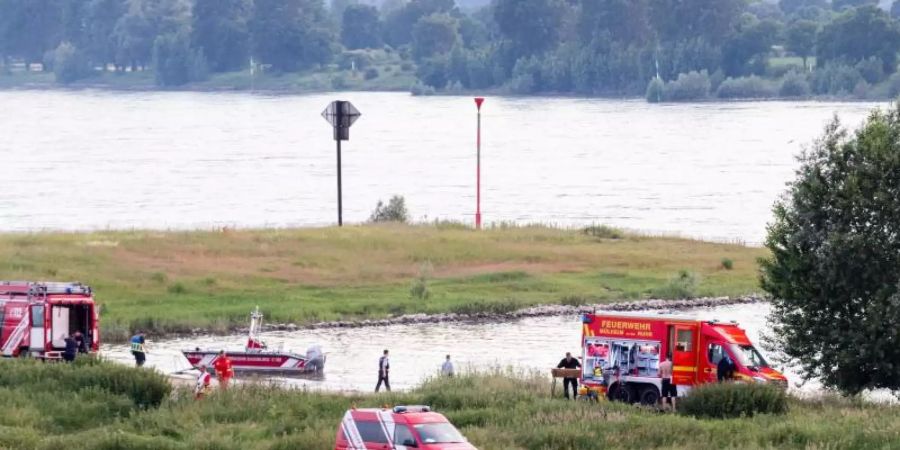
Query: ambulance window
[(37, 316), (404, 436), (684, 340), (715, 353), (371, 432)]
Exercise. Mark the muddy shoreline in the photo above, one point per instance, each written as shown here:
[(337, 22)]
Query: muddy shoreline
[(534, 311), (485, 317)]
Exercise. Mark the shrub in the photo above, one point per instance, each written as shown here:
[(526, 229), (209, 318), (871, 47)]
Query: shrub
[(655, 88), (421, 89), (794, 84), (871, 69), (354, 59), (688, 86), (419, 289), (727, 263), (70, 64), (746, 87), (338, 82), (603, 232), (682, 286), (732, 400), (394, 211), (407, 67), (177, 288), (174, 61), (835, 79), (485, 307), (371, 73)]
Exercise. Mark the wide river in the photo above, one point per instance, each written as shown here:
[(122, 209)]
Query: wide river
[(80, 160)]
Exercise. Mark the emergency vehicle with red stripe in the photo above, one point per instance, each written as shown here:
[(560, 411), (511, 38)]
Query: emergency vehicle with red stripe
[(621, 353), (399, 428), (36, 317)]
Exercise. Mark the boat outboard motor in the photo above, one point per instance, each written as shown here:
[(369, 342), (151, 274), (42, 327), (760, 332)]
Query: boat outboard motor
[(315, 359)]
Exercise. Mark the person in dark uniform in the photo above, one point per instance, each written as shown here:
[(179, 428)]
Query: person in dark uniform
[(384, 365), (79, 340), (569, 363), (725, 369), (71, 349)]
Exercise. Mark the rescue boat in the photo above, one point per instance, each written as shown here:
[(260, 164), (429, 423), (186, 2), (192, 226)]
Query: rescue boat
[(257, 357)]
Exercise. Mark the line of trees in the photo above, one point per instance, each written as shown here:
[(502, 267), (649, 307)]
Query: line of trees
[(593, 47)]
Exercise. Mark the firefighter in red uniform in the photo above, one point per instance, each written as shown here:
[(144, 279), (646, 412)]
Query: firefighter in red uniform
[(224, 371)]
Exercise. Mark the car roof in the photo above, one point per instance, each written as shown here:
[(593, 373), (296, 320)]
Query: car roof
[(410, 418)]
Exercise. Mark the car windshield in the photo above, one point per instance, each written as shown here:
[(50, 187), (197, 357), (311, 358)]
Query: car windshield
[(438, 433), (748, 356)]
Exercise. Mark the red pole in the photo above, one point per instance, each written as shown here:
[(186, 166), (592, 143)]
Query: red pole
[(478, 102)]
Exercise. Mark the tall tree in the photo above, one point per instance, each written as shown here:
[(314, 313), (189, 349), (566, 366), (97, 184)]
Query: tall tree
[(841, 5), (436, 34), (531, 26), (793, 6), (220, 29), (895, 10), (858, 34), (360, 27), (801, 38), (621, 20), (291, 34), (748, 47), (399, 22), (32, 28), (713, 20), (101, 17), (834, 269), (143, 21)]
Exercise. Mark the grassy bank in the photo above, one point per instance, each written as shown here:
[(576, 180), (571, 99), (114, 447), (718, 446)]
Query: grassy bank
[(49, 406), (176, 281), (374, 70)]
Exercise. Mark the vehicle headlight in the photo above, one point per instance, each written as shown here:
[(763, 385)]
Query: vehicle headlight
[(760, 380)]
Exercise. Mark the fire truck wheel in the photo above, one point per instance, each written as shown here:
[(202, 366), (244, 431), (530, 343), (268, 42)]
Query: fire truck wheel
[(620, 393), (649, 395)]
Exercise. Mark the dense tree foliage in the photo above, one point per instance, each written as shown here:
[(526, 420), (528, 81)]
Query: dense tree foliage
[(834, 272), (360, 27), (591, 47), (221, 31)]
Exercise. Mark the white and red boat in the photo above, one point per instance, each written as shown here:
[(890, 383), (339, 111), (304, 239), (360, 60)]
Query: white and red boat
[(257, 357)]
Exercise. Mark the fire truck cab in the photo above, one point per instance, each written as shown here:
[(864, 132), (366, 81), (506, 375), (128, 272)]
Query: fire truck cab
[(622, 352), (36, 317)]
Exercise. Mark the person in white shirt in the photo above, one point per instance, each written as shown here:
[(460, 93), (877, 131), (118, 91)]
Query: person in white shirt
[(203, 381), (447, 368)]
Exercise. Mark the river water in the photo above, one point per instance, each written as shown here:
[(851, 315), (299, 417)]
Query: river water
[(417, 351), (78, 160)]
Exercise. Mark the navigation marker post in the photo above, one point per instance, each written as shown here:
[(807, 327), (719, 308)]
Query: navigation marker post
[(478, 102), (341, 115)]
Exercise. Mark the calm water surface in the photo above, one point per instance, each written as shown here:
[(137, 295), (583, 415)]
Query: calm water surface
[(87, 160)]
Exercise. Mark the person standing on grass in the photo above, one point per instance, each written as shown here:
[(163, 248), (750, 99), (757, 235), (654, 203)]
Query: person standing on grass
[(224, 369), (71, 349), (203, 381), (384, 365), (569, 363), (669, 392), (447, 368), (138, 348), (79, 340)]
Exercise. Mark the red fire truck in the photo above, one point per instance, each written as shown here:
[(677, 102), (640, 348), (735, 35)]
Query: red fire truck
[(36, 317), (621, 354)]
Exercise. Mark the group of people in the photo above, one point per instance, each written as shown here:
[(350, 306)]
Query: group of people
[(669, 393), (74, 345), (384, 367), (224, 373)]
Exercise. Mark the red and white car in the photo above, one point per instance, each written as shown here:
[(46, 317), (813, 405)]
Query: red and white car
[(400, 428)]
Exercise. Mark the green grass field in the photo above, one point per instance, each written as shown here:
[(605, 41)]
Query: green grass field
[(108, 406), (177, 281)]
